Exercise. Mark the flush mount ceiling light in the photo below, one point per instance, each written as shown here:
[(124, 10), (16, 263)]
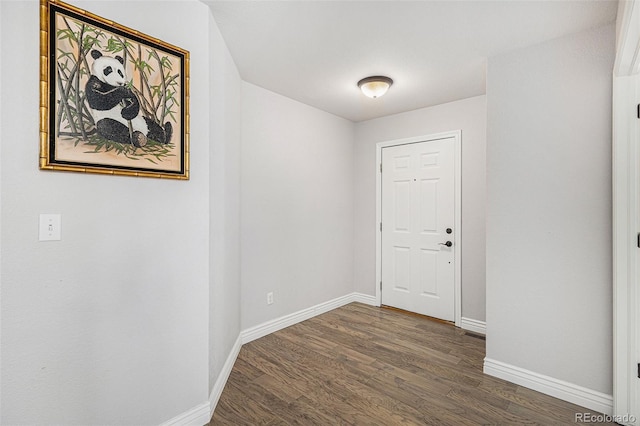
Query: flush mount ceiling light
[(375, 86)]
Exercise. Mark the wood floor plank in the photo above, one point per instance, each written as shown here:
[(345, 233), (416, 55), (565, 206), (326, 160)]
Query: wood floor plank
[(240, 409), (424, 399), (362, 365), (491, 413), (245, 367)]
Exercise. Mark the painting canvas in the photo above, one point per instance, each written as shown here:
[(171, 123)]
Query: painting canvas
[(113, 100)]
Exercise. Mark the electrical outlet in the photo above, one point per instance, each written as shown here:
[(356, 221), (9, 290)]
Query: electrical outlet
[(270, 298)]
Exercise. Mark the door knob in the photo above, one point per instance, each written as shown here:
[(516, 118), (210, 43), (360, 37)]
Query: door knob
[(448, 244)]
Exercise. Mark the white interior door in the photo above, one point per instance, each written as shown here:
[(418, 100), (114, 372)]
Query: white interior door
[(418, 216)]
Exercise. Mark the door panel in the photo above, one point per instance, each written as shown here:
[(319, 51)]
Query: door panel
[(401, 268), (428, 215), (418, 191), (402, 199), (428, 272)]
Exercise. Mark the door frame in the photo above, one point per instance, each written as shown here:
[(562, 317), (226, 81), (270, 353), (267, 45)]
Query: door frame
[(457, 240), (626, 208), (625, 228)]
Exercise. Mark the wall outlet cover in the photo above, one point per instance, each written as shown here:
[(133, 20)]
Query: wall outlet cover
[(50, 227)]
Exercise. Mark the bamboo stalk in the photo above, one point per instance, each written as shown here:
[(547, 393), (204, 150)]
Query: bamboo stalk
[(144, 104), (85, 109), (146, 83), (141, 69), (73, 75), (65, 105), (164, 86), (77, 81)]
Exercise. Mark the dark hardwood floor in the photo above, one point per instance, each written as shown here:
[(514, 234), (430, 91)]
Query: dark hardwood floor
[(364, 365)]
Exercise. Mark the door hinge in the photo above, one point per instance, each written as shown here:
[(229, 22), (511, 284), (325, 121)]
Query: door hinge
[(638, 240), (381, 163), (638, 110), (381, 231), (638, 365), (381, 291)]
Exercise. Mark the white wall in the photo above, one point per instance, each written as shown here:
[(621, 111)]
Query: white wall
[(549, 294), (111, 325), (224, 203), (296, 206), (468, 115)]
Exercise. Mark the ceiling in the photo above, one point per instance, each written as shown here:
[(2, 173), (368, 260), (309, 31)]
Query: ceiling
[(435, 51)]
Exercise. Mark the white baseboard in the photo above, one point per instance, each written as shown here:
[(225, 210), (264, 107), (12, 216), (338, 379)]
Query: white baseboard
[(274, 325), (201, 415), (560, 389), (221, 381), (476, 326), (364, 298), (197, 416)]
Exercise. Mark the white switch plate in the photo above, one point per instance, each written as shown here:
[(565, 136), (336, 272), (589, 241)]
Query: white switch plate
[(50, 227)]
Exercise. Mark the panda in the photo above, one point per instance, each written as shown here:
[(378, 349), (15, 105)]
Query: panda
[(116, 109)]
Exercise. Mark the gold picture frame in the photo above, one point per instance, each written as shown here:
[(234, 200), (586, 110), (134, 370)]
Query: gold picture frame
[(112, 99)]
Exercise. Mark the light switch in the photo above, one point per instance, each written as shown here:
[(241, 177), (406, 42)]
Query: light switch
[(50, 227)]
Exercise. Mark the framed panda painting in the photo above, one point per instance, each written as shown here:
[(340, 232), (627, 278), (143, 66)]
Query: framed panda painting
[(112, 100)]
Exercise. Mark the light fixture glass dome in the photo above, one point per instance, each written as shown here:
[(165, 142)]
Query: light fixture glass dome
[(375, 86)]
